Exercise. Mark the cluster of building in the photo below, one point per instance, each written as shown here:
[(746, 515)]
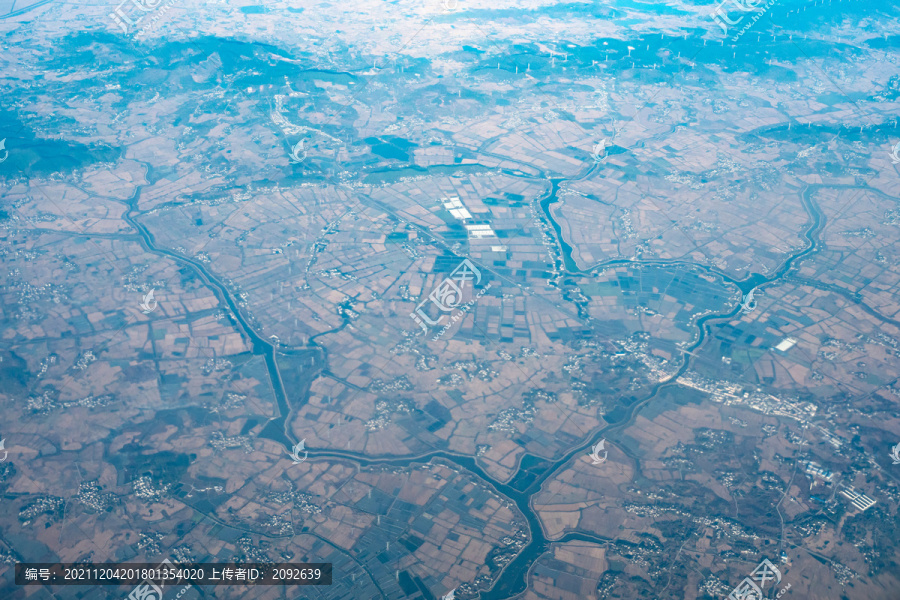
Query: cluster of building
[(456, 208), (817, 471), (508, 417), (143, 488), (731, 393), (859, 501), (46, 402), (91, 494)]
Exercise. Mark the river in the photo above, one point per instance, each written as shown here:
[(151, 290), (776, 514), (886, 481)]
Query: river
[(524, 486)]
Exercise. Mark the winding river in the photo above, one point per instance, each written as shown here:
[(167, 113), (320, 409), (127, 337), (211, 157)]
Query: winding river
[(522, 488)]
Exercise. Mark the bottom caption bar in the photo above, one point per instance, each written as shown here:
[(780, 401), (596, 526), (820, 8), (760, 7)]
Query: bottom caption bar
[(169, 573)]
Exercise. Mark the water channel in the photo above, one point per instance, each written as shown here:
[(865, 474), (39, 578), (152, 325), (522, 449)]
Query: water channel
[(521, 489)]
